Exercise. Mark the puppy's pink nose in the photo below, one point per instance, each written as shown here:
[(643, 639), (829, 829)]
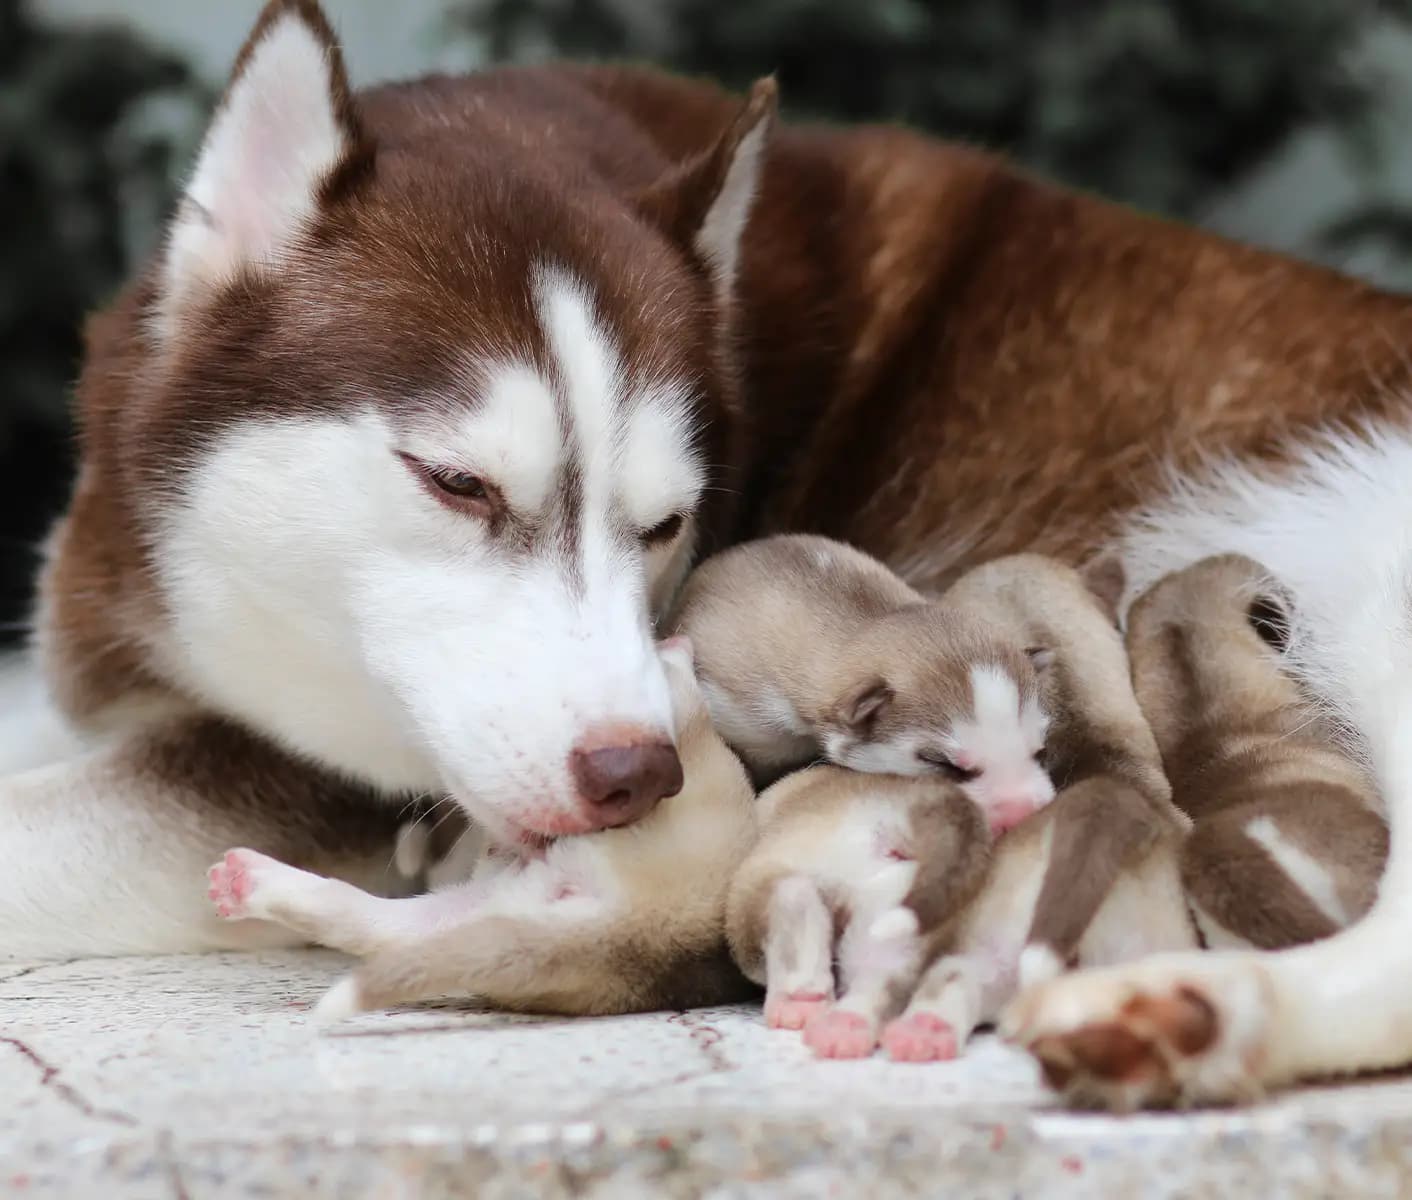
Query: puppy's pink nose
[(1008, 811), (620, 781)]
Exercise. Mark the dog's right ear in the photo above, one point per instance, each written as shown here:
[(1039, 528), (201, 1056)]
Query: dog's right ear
[(286, 126)]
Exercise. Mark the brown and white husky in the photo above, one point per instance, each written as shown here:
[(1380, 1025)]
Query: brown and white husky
[(391, 454)]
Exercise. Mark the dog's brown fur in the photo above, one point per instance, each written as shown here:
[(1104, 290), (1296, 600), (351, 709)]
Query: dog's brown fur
[(1242, 744)]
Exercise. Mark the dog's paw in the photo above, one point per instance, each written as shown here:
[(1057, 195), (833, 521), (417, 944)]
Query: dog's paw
[(239, 883), (794, 1010), (840, 1034), (919, 1037), (1173, 1030)]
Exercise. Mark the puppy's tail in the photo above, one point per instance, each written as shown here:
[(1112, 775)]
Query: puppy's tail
[(582, 965)]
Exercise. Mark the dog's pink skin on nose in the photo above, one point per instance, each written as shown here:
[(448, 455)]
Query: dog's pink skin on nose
[(621, 777)]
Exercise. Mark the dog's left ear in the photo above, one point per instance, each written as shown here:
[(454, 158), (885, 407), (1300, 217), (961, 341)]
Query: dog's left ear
[(705, 202)]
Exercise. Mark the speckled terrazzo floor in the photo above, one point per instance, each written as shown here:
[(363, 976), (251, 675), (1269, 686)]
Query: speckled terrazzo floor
[(203, 1077)]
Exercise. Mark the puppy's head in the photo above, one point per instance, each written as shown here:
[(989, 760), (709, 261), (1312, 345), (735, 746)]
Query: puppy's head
[(927, 692)]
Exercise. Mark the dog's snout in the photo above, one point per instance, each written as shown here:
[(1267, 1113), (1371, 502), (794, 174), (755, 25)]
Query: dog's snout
[(620, 780)]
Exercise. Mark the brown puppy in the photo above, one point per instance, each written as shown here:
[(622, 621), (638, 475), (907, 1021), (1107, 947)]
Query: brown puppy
[(1093, 878), (1290, 841), (854, 868), (808, 649)]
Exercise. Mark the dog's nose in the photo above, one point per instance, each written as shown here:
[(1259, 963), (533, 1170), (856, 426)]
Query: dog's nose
[(620, 782)]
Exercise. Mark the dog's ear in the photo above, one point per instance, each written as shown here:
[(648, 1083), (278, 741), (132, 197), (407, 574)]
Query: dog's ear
[(705, 202), (284, 132)]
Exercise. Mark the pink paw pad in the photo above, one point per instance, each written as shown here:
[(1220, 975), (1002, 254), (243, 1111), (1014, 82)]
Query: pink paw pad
[(837, 1034), (793, 1010), (921, 1037), (230, 885)]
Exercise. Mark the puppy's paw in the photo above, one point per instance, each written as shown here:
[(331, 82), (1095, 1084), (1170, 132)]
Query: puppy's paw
[(240, 883), (920, 1037), (1173, 1030), (840, 1034), (793, 1010)]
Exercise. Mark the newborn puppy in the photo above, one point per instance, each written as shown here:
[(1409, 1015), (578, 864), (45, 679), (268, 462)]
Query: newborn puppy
[(627, 919), (850, 868), (1093, 878), (1289, 842), (809, 649)]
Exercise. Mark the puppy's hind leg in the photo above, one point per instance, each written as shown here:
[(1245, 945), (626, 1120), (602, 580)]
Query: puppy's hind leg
[(798, 953), (879, 964), (939, 1018)]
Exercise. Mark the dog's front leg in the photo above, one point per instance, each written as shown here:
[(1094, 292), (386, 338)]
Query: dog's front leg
[(107, 853)]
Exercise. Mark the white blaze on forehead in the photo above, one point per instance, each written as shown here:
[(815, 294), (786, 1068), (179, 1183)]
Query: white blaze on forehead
[(635, 450), (591, 375), (1000, 731)]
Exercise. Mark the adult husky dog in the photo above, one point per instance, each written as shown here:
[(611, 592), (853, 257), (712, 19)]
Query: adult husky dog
[(434, 392)]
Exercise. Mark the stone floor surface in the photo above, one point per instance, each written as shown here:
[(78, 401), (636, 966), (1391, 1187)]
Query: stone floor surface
[(205, 1077)]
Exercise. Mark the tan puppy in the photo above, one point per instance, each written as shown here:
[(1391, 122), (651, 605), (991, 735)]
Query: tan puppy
[(809, 649), (1290, 841), (1091, 879), (853, 868), (626, 919)]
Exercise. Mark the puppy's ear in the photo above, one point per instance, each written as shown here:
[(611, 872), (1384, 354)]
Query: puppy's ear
[(860, 708), (1106, 579)]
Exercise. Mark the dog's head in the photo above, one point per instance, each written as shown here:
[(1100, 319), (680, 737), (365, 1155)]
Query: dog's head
[(436, 382)]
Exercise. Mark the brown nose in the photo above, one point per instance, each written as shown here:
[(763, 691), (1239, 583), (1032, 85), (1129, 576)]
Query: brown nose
[(620, 783)]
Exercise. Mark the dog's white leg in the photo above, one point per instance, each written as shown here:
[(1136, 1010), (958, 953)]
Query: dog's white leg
[(107, 853)]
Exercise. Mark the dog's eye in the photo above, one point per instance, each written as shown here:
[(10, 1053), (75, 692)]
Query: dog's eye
[(1041, 756), (934, 758), (458, 489), (460, 484), (664, 531)]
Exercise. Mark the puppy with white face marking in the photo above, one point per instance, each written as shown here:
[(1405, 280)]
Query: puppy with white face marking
[(1093, 879), (851, 869), (1289, 840), (808, 648), (622, 920)]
